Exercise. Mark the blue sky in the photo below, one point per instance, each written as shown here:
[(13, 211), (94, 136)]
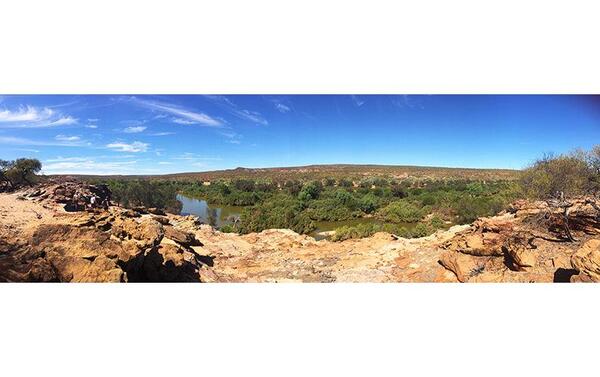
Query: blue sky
[(142, 134)]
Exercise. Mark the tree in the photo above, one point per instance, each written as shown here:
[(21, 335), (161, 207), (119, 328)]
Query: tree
[(558, 179), (6, 166), (25, 169)]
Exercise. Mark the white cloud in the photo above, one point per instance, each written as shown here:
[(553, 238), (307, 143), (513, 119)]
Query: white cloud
[(282, 108), (91, 126), (134, 147), (27, 150), (195, 157), (64, 121), (93, 120), (67, 138), (252, 116), (134, 130), (58, 143), (234, 137), (165, 163), (406, 101), (33, 117), (357, 101), (82, 165), (26, 114), (181, 113), (162, 133), (183, 121)]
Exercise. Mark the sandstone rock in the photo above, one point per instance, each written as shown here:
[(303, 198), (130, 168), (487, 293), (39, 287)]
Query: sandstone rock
[(463, 266), (586, 261), (181, 237), (146, 231), (80, 270), (156, 211), (161, 219), (168, 263), (76, 241), (520, 249)]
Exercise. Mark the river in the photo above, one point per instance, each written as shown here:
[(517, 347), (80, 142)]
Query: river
[(219, 215)]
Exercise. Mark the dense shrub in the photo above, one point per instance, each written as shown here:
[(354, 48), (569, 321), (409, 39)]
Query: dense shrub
[(157, 194), (280, 212), (401, 212), (368, 203), (569, 175)]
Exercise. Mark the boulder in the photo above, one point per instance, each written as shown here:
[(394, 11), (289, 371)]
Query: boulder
[(146, 232), (464, 266), (181, 237), (586, 261), (519, 249), (167, 263)]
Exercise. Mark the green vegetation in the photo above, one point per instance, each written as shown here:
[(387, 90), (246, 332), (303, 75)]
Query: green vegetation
[(568, 175), (300, 205), (149, 194), (408, 207), (19, 172)]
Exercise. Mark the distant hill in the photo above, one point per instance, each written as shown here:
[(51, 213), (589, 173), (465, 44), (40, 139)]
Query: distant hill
[(334, 171)]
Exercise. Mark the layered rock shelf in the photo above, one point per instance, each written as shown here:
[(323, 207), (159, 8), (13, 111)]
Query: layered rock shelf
[(45, 236)]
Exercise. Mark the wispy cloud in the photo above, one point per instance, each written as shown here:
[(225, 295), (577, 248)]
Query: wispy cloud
[(134, 147), (67, 138), (357, 101), (193, 117), (134, 129), (232, 136), (183, 121), (193, 157), (26, 114), (162, 134), (27, 150), (282, 108), (93, 126), (407, 102), (33, 117), (12, 140), (227, 104), (89, 166)]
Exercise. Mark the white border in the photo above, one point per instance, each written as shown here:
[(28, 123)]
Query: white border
[(313, 46), (264, 46)]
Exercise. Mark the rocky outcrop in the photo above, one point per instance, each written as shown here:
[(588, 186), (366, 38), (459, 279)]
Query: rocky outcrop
[(527, 244), (114, 245), (586, 262), (41, 241)]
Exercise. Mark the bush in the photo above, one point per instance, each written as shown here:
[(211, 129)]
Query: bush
[(550, 176), (310, 190), (359, 231), (401, 212), (368, 203), (281, 213), (150, 194), (228, 228)]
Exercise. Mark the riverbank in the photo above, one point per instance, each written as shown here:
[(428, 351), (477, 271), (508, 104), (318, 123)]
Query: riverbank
[(40, 241)]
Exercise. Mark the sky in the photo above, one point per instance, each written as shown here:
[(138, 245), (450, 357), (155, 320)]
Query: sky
[(158, 134)]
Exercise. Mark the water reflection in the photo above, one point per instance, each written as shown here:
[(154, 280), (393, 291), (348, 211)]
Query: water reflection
[(215, 216)]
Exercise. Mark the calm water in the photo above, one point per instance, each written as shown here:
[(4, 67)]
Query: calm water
[(213, 215), (220, 215)]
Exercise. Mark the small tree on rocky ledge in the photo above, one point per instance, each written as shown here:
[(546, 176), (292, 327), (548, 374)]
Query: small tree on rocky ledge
[(559, 179)]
